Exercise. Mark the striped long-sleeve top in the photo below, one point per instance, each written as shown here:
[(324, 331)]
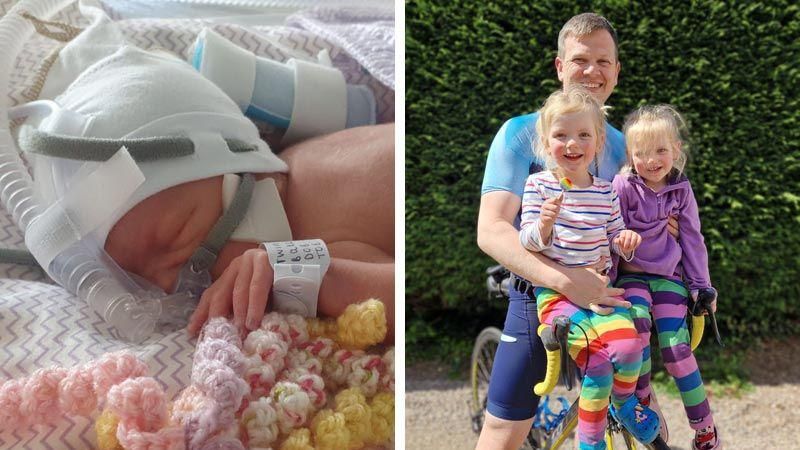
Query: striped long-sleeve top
[(588, 221)]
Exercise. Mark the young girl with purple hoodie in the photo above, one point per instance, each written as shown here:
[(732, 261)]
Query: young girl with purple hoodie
[(664, 271)]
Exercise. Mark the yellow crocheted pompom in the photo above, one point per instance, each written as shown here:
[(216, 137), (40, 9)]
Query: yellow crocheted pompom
[(362, 324), (299, 439), (357, 413), (330, 430), (321, 328), (382, 407), (106, 429)]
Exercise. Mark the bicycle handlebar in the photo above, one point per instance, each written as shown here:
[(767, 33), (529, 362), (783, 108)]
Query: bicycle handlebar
[(497, 282), (554, 338), (698, 308)]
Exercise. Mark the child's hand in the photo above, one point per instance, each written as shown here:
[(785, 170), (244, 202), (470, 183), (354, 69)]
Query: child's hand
[(548, 215), (713, 305), (627, 241), (242, 288)]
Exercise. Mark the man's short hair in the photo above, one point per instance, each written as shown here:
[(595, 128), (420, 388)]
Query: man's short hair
[(582, 25)]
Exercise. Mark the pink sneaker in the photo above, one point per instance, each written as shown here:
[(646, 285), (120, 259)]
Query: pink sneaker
[(703, 441)]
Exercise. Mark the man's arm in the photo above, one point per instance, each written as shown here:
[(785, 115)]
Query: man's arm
[(498, 238)]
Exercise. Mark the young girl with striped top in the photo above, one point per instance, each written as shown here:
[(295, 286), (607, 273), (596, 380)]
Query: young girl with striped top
[(574, 219), (665, 271)]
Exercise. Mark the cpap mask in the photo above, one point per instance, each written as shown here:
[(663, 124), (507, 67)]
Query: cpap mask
[(131, 125)]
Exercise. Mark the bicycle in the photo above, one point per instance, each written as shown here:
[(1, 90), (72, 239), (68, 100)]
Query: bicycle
[(551, 429)]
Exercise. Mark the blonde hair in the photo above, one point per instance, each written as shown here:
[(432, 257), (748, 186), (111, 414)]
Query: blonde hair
[(574, 99), (651, 122), (583, 25)]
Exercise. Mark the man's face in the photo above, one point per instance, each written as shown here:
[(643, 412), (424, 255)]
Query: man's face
[(591, 62)]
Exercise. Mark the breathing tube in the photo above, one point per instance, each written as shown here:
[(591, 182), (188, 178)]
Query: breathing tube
[(59, 234)]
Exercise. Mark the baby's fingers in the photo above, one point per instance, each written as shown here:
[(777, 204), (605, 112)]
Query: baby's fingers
[(209, 302), (199, 316), (220, 304), (259, 289), (241, 291)]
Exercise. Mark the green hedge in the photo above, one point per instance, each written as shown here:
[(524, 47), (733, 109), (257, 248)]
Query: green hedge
[(734, 71)]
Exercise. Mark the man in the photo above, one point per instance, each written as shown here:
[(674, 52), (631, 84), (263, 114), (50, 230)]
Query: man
[(587, 55)]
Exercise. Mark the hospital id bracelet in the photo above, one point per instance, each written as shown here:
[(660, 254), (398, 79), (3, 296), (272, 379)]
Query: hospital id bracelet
[(299, 267)]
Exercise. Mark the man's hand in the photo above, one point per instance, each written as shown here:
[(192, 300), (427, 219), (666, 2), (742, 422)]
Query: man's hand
[(627, 241), (589, 289), (548, 215), (243, 288)]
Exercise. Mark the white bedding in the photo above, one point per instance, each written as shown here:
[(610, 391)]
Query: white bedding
[(43, 325)]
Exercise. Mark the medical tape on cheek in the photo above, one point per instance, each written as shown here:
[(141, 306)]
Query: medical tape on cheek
[(265, 220), (87, 205)]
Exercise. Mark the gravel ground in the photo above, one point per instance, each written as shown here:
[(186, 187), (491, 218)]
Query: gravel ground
[(437, 413)]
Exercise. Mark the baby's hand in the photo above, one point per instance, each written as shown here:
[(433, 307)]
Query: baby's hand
[(549, 213), (243, 288), (627, 241)]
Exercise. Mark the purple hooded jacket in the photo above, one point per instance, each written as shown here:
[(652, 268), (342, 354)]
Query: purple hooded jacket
[(647, 213)]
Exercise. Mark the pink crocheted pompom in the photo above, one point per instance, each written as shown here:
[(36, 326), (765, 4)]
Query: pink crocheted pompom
[(40, 396), (220, 383), (222, 443), (170, 438), (139, 402), (222, 351), (187, 402), (269, 345), (387, 373), (304, 361), (366, 374), (221, 328), (314, 386), (261, 377), (298, 329), (292, 404), (260, 423), (113, 368), (292, 327), (10, 399), (320, 347), (337, 369), (76, 392)]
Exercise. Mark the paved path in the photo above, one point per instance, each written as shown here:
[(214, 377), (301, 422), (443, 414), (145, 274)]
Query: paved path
[(766, 418)]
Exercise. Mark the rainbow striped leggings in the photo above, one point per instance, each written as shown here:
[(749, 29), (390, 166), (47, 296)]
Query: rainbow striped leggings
[(667, 298), (609, 354)]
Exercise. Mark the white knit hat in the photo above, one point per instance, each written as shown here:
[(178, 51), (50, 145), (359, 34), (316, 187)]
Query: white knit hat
[(156, 101)]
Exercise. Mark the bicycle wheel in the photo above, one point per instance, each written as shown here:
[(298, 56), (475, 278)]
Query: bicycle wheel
[(481, 369), (563, 431)]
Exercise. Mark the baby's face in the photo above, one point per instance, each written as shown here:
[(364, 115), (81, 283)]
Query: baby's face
[(572, 142), (156, 238)]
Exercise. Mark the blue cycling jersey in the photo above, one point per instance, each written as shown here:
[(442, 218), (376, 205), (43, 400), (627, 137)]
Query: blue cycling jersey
[(511, 158)]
